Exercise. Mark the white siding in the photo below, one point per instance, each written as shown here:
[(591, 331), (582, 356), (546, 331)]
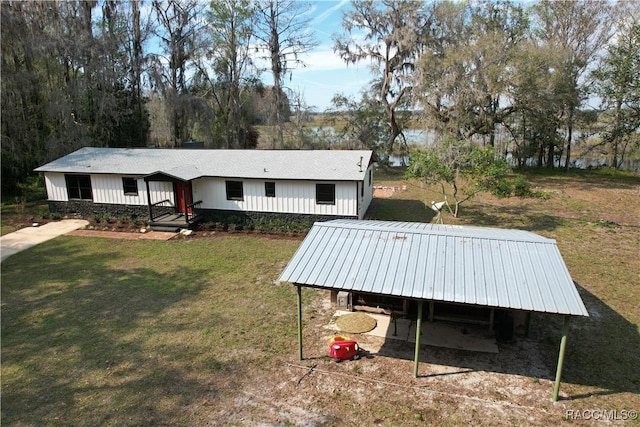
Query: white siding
[(56, 187), (368, 192), (109, 189), (160, 190), (291, 197)]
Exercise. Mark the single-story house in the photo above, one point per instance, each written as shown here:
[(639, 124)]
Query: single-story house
[(461, 273), (175, 187)]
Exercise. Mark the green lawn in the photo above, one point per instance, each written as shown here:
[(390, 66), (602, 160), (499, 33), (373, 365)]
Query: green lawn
[(101, 332), (188, 332)]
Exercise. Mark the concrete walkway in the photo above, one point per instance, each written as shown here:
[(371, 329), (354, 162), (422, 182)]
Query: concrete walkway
[(27, 237)]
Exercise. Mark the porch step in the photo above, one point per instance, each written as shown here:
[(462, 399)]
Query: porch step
[(171, 229)]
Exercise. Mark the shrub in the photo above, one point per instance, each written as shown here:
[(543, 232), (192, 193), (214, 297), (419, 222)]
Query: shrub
[(521, 187), (503, 188)]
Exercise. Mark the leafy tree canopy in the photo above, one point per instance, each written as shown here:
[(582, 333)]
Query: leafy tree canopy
[(462, 169)]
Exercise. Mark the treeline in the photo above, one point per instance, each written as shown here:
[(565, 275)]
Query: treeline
[(497, 73), (139, 73), (161, 72)]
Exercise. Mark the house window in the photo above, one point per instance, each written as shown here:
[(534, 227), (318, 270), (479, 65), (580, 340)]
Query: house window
[(234, 190), (130, 186), (79, 187), (325, 194), (370, 172), (270, 189)]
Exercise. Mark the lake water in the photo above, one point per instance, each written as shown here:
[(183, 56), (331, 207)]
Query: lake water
[(578, 163), (426, 137)]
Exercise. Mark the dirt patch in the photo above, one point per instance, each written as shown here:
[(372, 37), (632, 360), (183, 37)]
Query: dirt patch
[(456, 387), (385, 192)]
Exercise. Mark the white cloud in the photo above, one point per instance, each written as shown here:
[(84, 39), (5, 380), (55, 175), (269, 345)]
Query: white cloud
[(322, 59), (324, 15)]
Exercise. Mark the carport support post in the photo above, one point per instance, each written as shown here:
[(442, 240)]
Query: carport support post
[(416, 358), (299, 321), (563, 345)]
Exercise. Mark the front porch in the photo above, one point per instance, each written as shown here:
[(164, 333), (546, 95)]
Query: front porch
[(173, 222), (176, 214), (164, 217)]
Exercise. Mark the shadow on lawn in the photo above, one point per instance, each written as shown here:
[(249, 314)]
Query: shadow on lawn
[(602, 352), (399, 210), (517, 217), (86, 344), (585, 179)]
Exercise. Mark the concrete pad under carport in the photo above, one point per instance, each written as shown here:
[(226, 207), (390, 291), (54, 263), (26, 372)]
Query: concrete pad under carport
[(27, 237), (436, 334)]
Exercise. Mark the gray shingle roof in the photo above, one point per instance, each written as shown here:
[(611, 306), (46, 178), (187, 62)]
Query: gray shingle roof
[(189, 164), (491, 267)]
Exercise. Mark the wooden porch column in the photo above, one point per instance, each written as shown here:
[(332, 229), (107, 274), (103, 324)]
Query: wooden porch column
[(299, 292), (184, 201), (149, 201), (563, 345), (416, 357)]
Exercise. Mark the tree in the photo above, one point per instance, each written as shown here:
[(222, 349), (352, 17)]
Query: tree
[(282, 32), (465, 71), (535, 124), (231, 24), (394, 35), (618, 86), (179, 31), (364, 121), (65, 83), (576, 31), (462, 169), (137, 36)]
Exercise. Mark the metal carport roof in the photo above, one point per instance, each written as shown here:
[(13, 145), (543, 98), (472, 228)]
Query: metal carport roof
[(511, 269)]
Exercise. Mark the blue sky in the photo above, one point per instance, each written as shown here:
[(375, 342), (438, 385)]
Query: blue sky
[(325, 73)]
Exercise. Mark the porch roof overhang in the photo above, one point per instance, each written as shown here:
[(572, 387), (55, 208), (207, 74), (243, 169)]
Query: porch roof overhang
[(180, 173)]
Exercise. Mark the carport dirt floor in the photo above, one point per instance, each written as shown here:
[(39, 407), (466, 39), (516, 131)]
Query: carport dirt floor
[(455, 387)]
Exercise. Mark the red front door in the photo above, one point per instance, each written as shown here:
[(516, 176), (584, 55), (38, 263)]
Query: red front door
[(183, 193)]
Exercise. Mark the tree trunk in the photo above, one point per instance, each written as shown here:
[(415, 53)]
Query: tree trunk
[(550, 154), (615, 141), (567, 162), (395, 131), (276, 69)]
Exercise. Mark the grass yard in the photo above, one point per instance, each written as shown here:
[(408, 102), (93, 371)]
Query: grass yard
[(196, 332), (110, 332)]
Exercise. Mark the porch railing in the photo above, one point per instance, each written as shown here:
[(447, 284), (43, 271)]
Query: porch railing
[(152, 214), (189, 215)]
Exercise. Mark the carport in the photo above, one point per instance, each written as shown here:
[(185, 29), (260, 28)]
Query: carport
[(488, 267)]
